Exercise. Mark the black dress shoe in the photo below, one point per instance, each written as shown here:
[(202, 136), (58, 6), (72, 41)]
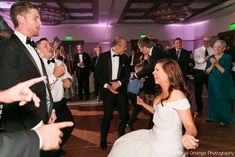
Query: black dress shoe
[(222, 124), (103, 145)]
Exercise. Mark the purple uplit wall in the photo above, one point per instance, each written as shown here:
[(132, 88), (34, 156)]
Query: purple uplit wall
[(191, 33)]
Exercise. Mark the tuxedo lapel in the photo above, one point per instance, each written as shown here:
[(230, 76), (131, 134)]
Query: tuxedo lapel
[(119, 68), (109, 65), (25, 50)]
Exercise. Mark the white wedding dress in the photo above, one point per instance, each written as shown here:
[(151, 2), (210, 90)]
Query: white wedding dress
[(164, 140)]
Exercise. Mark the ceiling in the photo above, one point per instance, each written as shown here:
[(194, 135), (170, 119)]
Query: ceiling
[(118, 12)]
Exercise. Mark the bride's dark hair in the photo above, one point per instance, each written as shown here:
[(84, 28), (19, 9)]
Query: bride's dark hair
[(175, 77)]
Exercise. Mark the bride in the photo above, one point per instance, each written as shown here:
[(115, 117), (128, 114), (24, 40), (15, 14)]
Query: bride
[(171, 108)]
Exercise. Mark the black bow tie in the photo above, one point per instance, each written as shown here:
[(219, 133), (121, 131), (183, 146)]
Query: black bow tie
[(51, 61), (115, 55), (32, 43)]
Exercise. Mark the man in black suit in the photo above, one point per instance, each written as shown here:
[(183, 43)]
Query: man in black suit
[(81, 65), (112, 73), (98, 51), (19, 61), (147, 47), (28, 143), (180, 55)]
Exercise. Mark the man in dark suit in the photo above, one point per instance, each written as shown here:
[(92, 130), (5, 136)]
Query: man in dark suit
[(180, 55), (19, 61), (98, 51), (81, 65), (28, 143), (134, 59), (147, 47), (112, 73)]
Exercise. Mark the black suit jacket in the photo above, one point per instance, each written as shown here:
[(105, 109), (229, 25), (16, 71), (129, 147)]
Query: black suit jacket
[(183, 60), (19, 144), (103, 71), (87, 62), (17, 65), (93, 63), (148, 69)]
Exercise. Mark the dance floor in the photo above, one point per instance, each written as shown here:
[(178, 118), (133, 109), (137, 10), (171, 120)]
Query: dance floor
[(215, 141)]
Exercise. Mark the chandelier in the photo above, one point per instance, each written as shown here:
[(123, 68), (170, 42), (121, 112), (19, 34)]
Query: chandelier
[(170, 14), (51, 15)]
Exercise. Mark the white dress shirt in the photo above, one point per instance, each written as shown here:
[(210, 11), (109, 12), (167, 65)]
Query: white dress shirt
[(30, 49), (115, 65), (199, 57), (56, 84), (150, 53), (115, 68), (80, 57)]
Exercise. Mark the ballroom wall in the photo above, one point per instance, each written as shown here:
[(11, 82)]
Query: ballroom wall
[(190, 33)]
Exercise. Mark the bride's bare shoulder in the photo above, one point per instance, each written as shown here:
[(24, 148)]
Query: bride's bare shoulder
[(177, 94)]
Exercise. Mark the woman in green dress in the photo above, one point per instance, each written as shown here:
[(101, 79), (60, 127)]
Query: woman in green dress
[(220, 86)]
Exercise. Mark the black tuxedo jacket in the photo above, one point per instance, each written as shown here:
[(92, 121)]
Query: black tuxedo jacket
[(87, 62), (183, 60), (103, 71), (149, 68), (19, 144), (17, 65)]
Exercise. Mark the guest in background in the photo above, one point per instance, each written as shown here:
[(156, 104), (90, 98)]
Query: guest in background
[(220, 86), (98, 51), (81, 65), (146, 46), (151, 55), (112, 73), (62, 55), (201, 56), (134, 59), (180, 55), (59, 78), (134, 87), (231, 51)]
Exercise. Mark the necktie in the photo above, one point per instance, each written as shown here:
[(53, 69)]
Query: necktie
[(206, 53), (32, 43), (178, 54), (115, 55), (51, 61)]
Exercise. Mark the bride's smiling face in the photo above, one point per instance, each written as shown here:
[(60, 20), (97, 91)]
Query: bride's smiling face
[(160, 76)]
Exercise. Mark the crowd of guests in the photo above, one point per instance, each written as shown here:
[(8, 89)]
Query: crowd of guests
[(151, 78)]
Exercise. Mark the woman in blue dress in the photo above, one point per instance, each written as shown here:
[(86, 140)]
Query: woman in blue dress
[(220, 86)]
